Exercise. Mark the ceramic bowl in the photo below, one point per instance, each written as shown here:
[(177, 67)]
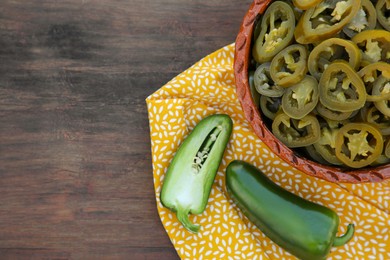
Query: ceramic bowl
[(241, 64)]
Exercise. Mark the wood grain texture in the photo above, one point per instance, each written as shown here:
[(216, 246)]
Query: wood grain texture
[(75, 165)]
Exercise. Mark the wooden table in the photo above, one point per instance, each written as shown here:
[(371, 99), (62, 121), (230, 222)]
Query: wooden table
[(75, 167)]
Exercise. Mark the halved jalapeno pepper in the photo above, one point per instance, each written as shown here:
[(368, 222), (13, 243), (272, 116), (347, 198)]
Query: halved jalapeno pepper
[(382, 10), (365, 19), (277, 31), (264, 83), (358, 144), (301, 98), (341, 89), (296, 132), (289, 67), (325, 20), (330, 50), (374, 45)]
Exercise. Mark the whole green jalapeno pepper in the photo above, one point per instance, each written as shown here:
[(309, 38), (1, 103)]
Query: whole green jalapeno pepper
[(191, 173), (317, 25), (289, 66), (277, 31), (305, 229)]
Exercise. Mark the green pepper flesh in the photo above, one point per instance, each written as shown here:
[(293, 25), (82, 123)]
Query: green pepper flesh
[(191, 173)]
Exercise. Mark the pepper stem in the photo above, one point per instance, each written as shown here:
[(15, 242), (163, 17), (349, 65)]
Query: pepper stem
[(182, 216), (339, 241)]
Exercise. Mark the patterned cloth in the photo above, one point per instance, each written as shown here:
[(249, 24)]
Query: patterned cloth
[(208, 88)]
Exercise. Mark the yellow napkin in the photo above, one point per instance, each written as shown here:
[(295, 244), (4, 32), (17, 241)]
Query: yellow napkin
[(208, 88)]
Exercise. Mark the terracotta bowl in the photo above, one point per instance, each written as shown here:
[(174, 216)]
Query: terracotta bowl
[(241, 65)]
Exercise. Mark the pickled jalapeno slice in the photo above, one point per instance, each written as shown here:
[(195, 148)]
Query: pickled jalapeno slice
[(264, 83), (289, 67), (341, 89), (301, 98), (383, 10), (305, 4), (296, 132), (325, 20), (365, 19), (374, 45), (358, 144), (277, 31), (330, 50), (270, 106)]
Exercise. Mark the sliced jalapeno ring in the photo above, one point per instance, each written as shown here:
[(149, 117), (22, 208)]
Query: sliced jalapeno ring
[(358, 144), (301, 98), (387, 148), (312, 153), (316, 24), (264, 83), (289, 67), (374, 45), (296, 132), (370, 73), (341, 89), (277, 31), (330, 50), (270, 106), (305, 4), (381, 121), (332, 114), (382, 88), (365, 19), (255, 94), (382, 10), (326, 145)]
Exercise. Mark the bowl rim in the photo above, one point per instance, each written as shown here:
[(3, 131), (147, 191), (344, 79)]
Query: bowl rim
[(252, 114)]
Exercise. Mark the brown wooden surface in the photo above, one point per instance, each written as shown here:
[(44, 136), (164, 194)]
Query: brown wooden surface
[(75, 165)]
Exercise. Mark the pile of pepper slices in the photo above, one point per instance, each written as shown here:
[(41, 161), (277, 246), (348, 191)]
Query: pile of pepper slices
[(320, 75)]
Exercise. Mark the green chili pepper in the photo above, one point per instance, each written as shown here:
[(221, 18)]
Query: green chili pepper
[(190, 175), (305, 229)]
